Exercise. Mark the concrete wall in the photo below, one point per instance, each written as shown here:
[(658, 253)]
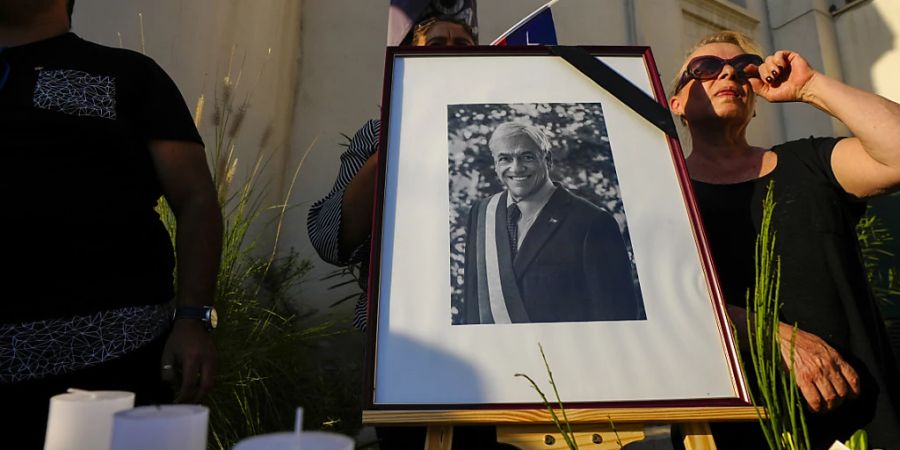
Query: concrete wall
[(201, 42), (342, 46), (806, 26), (868, 38), (323, 77), (254, 44)]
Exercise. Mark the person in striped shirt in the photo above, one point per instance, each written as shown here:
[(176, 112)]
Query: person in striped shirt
[(339, 224)]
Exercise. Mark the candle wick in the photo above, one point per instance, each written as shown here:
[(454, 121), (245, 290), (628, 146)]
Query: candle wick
[(298, 423), (81, 391)]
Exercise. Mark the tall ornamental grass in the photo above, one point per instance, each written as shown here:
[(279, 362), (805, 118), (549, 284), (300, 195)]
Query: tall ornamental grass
[(784, 425), (270, 351)]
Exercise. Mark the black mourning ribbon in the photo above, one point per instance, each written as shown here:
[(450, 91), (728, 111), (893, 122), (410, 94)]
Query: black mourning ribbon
[(618, 86), (512, 227)]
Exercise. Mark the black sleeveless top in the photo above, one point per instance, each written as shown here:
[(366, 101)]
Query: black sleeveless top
[(823, 281)]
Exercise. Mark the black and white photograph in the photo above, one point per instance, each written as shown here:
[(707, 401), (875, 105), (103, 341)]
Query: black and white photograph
[(520, 205), (538, 231)]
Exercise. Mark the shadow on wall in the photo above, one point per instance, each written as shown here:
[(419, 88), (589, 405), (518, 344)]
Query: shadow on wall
[(867, 44), (864, 39)]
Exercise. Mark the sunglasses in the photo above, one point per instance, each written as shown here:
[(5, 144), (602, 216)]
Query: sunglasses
[(709, 67)]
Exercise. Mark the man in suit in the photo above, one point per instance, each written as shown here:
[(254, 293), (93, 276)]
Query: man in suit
[(536, 252)]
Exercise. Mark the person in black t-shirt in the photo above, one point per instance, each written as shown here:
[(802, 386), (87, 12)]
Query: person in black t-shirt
[(846, 371), (92, 137)]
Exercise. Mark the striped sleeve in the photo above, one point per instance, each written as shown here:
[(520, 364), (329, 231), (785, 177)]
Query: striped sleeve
[(324, 220)]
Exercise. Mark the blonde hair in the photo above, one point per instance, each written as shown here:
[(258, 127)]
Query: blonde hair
[(747, 44)]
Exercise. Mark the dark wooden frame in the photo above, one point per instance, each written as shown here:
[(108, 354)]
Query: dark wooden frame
[(739, 408)]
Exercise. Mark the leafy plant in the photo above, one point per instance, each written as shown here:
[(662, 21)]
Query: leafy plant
[(784, 426), (345, 276), (859, 441), (874, 238), (564, 427)]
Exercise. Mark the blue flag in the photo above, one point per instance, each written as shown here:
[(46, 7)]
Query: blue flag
[(536, 29)]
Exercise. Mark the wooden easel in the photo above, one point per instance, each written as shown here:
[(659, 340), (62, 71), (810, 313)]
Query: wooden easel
[(534, 430), (544, 437)]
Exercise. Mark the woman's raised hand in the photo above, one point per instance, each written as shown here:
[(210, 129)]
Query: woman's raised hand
[(783, 77)]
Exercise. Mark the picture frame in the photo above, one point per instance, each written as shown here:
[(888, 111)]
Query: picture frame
[(429, 351)]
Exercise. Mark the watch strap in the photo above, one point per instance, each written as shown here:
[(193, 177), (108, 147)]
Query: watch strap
[(204, 314)]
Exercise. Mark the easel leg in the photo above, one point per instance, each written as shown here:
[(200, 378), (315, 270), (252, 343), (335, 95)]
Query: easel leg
[(698, 436), (439, 437)]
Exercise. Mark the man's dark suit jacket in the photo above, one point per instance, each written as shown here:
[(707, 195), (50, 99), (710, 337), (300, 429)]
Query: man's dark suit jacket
[(571, 266)]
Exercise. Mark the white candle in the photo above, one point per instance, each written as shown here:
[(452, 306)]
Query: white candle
[(307, 440), (163, 427), (83, 419)]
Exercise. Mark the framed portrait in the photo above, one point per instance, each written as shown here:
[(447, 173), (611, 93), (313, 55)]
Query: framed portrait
[(521, 203)]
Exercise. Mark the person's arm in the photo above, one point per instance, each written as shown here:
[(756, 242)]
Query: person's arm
[(188, 188), (865, 165), (357, 205), (824, 378), (339, 224)]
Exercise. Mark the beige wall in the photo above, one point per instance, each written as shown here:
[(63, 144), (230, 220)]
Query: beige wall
[(198, 42), (324, 75), (342, 47), (806, 26), (869, 43), (195, 40)]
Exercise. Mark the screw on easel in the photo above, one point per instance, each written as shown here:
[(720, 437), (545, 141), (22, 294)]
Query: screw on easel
[(549, 440), (596, 438)]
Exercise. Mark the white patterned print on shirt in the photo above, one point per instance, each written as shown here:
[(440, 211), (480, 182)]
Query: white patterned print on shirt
[(76, 93)]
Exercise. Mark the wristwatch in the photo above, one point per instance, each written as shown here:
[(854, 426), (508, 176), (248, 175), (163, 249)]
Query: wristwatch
[(205, 314)]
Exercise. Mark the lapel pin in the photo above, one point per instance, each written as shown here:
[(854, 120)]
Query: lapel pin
[(553, 220)]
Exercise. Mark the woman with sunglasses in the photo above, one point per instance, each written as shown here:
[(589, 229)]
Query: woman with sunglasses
[(846, 371)]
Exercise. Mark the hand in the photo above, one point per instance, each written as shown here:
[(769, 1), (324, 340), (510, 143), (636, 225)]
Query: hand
[(189, 354), (783, 77), (824, 378)]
